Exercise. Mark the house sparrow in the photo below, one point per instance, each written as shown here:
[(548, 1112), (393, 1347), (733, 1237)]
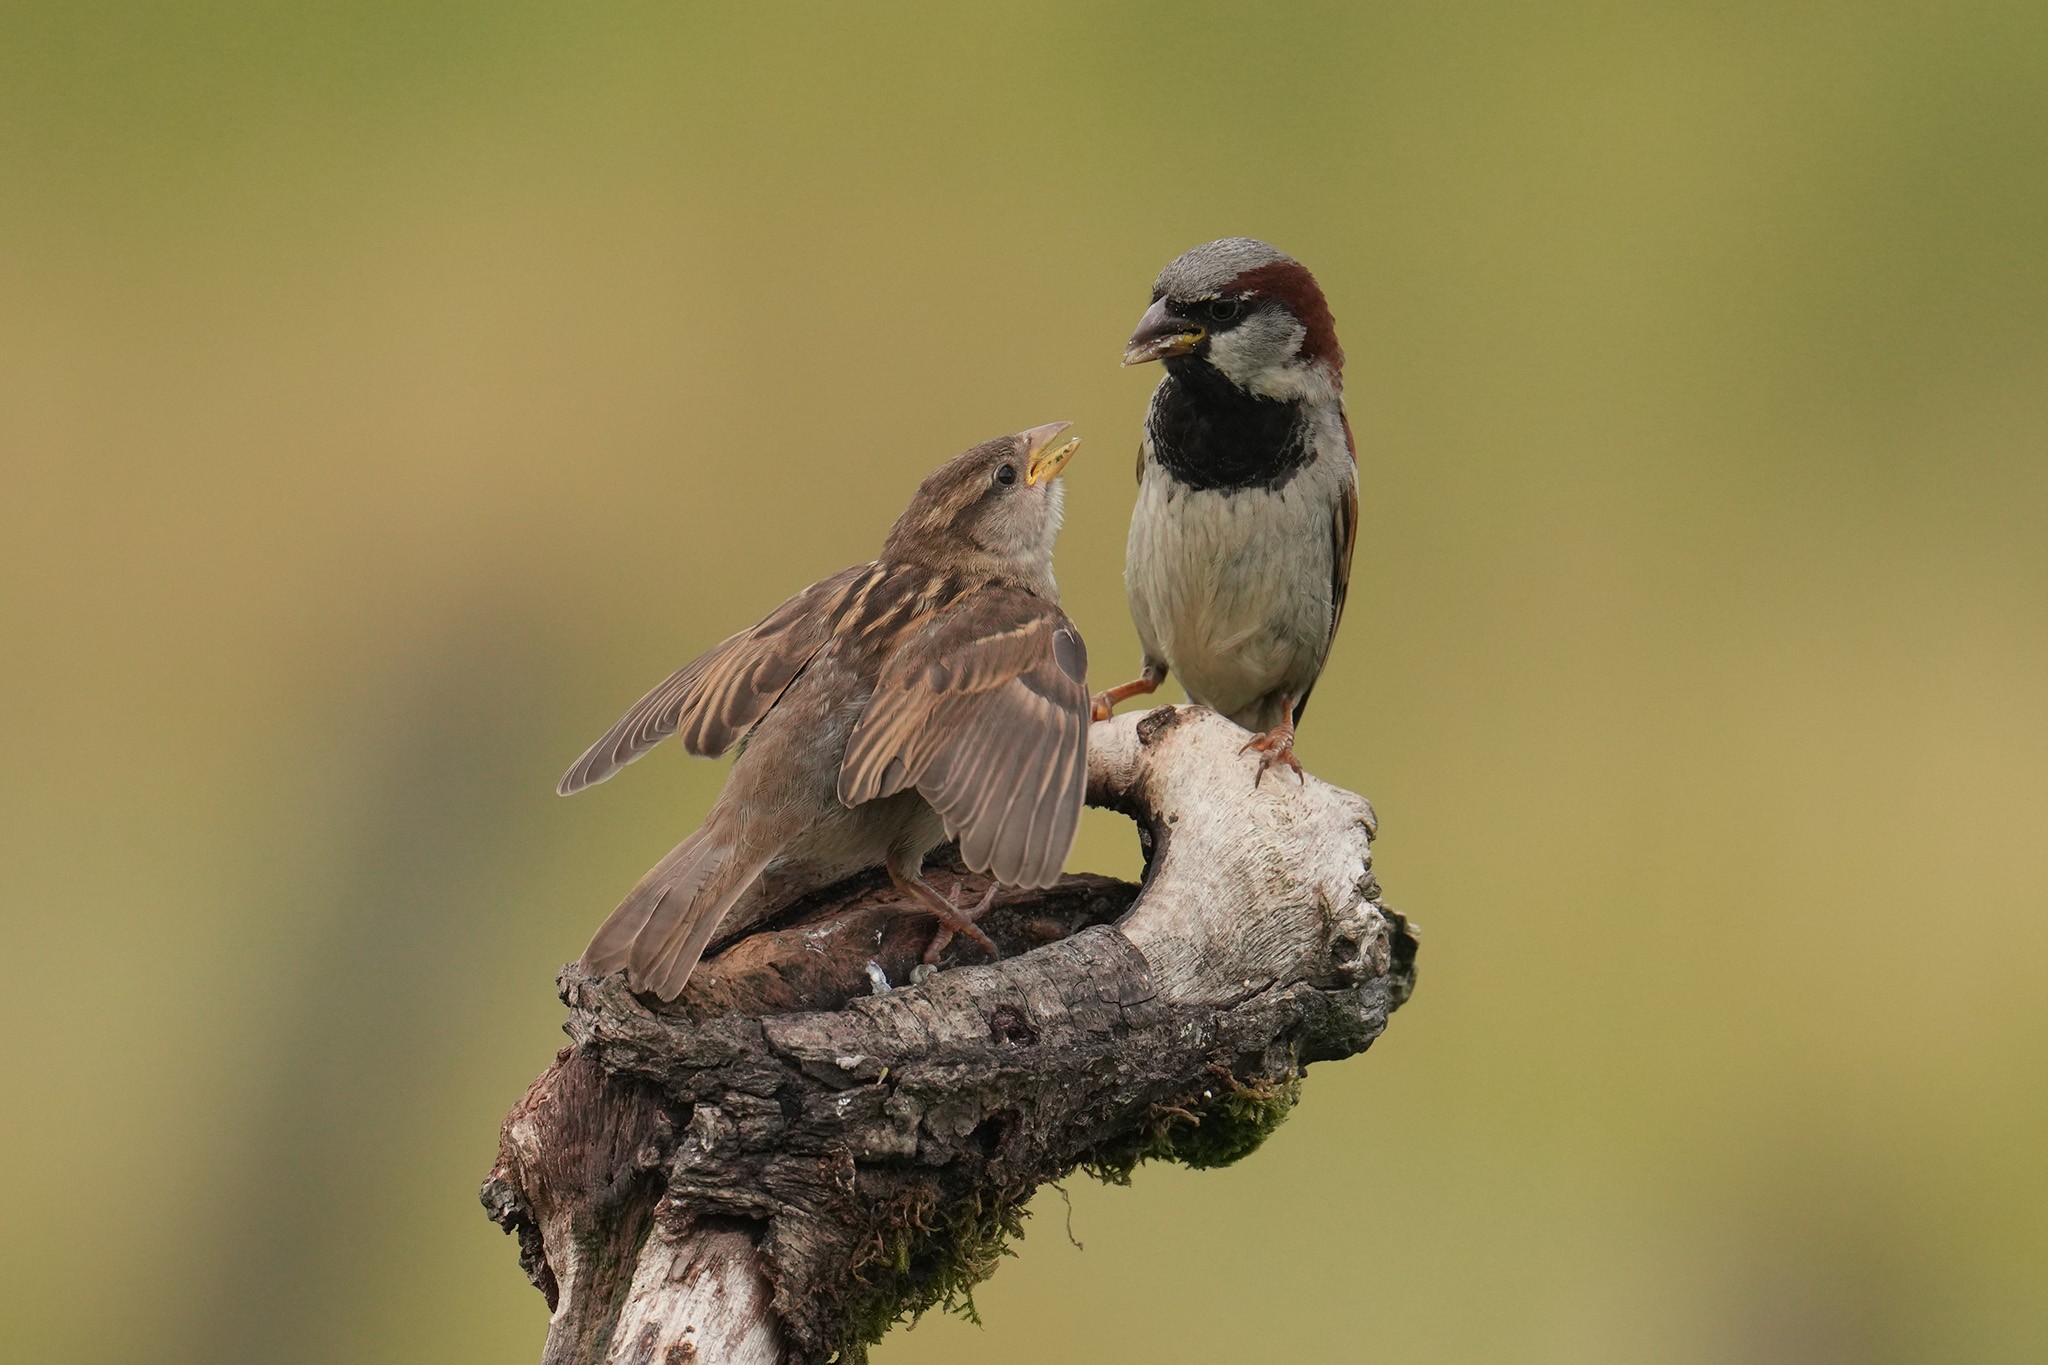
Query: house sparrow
[(1247, 512), (937, 692)]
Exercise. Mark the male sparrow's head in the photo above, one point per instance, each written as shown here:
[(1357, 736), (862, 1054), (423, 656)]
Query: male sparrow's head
[(1248, 311), (996, 506)]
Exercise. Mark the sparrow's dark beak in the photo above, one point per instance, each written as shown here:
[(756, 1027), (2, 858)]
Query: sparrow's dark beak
[(1042, 465), (1161, 333)]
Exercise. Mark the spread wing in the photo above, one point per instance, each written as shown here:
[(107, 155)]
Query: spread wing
[(984, 710), (713, 700)]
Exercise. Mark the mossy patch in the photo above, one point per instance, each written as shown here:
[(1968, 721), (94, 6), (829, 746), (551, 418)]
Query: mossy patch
[(924, 1258), (1224, 1123)]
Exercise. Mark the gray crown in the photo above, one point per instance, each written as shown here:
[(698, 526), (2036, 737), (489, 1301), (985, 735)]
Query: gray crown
[(1204, 271)]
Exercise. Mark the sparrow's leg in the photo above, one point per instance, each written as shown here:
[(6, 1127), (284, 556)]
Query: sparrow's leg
[(944, 934), (1276, 746), (1144, 684), (952, 919)]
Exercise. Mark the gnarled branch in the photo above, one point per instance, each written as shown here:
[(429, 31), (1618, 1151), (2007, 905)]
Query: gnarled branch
[(797, 1152)]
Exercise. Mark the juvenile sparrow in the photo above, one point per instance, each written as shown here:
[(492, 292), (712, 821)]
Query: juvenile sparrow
[(1247, 512), (937, 692)]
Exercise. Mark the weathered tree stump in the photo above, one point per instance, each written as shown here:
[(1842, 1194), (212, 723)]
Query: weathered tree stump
[(798, 1153)]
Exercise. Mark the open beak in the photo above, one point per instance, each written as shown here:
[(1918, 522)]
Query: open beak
[(1162, 333), (1043, 461)]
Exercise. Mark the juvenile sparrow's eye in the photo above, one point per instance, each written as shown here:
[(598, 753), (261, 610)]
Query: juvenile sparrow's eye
[(1006, 474), (1221, 310)]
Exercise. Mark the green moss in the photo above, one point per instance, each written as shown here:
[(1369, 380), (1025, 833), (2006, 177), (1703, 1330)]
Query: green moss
[(1205, 1131), (924, 1258), (920, 1263)]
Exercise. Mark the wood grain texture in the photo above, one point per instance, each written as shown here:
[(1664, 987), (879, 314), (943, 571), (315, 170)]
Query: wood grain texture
[(782, 1162)]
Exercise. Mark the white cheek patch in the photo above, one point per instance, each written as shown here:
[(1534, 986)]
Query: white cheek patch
[(1262, 354)]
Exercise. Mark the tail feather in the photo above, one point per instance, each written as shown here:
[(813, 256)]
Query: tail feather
[(662, 927)]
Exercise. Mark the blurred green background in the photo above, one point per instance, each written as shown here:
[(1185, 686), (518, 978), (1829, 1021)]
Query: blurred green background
[(393, 391)]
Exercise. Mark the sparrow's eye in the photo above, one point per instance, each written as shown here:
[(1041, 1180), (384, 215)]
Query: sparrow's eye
[(1006, 474), (1221, 310)]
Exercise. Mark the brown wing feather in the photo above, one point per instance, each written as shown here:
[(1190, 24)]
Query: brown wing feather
[(1343, 545), (984, 710), (1344, 535), (713, 700)]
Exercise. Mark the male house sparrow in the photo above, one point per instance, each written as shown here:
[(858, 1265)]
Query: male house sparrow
[(937, 692), (1241, 540)]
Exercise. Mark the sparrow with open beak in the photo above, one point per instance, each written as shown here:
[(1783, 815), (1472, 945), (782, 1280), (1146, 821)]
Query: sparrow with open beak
[(1241, 541), (937, 692)]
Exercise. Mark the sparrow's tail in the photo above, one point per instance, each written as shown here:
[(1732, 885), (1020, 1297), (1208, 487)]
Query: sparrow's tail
[(664, 924)]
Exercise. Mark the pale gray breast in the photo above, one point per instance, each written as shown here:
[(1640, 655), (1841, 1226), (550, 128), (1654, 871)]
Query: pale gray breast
[(1232, 590)]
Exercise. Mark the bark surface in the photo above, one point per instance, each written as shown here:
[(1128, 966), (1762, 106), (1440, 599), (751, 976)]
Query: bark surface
[(811, 1144)]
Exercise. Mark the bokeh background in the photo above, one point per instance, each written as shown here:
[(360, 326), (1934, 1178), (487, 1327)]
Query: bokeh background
[(393, 391)]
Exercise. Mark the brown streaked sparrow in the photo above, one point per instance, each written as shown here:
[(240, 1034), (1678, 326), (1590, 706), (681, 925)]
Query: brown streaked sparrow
[(1247, 512), (937, 692)]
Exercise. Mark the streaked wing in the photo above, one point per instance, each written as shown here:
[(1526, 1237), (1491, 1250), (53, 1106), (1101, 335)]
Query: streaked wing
[(713, 700), (984, 710), (1344, 542), (1343, 545)]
